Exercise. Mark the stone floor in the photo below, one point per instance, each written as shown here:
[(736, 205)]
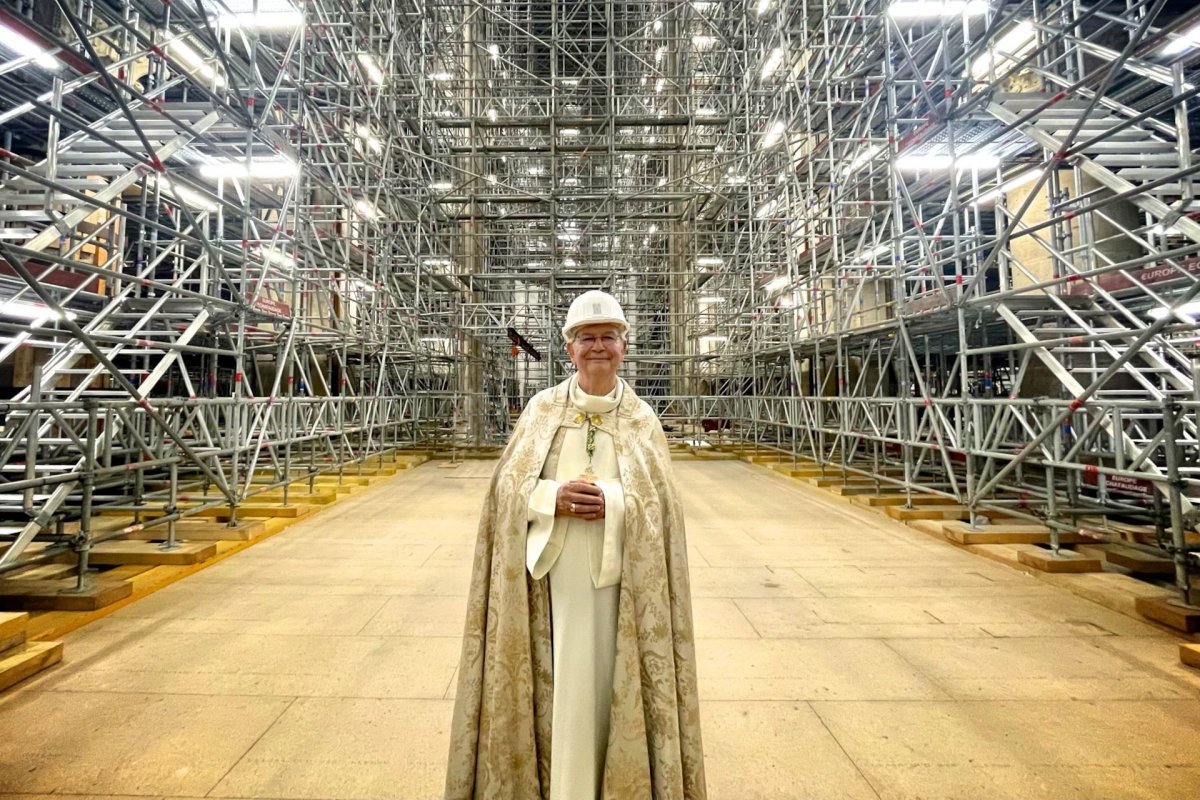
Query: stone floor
[(841, 655)]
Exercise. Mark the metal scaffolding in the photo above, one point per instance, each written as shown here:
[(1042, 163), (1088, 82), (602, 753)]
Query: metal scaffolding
[(951, 244)]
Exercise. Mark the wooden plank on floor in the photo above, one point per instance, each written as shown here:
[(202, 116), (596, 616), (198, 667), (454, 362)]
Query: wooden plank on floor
[(854, 489), (830, 481), (12, 629), (926, 512), (43, 572), (319, 498), (934, 527), (202, 530), (1190, 654), (884, 500), (28, 660), (259, 511), (1170, 612), (116, 553), (1016, 533), (1137, 561), (1062, 561), (60, 595)]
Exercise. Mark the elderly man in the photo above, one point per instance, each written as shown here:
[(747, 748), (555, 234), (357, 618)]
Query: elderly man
[(578, 675)]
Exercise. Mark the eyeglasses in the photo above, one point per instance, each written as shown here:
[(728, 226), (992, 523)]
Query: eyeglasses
[(608, 340)]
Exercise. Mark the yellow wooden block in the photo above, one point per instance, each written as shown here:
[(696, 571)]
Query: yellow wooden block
[(923, 511), (1190, 654), (1170, 612), (27, 661), (12, 628), (60, 595), (133, 552), (1063, 561)]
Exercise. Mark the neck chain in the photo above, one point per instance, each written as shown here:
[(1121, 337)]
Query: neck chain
[(593, 421)]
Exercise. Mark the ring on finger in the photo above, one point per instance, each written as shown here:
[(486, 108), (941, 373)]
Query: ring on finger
[(572, 508)]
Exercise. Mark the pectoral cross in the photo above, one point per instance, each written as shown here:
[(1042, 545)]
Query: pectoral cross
[(593, 421)]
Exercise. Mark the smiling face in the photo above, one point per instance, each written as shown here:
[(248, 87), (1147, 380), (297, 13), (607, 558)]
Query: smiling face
[(597, 351)]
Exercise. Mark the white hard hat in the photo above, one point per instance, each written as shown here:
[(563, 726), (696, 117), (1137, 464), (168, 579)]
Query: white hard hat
[(594, 308)]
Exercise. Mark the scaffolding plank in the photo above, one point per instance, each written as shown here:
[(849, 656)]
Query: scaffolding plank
[(1190, 654), (27, 661), (1170, 612), (1062, 561), (119, 553), (12, 629), (197, 530), (927, 512), (963, 533), (60, 595)]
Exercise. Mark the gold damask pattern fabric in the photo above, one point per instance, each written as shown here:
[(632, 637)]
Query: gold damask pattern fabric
[(500, 737)]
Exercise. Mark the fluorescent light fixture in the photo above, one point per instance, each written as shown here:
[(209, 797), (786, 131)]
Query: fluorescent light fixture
[(569, 81), (1028, 176), (862, 157), (31, 311), (570, 262), (1016, 43), (762, 7), (659, 85), (370, 138), (1187, 309), (276, 258), (1183, 41), (436, 262), (705, 111), (662, 182), (774, 133), (535, 264), (935, 9), (773, 62), (441, 186), (185, 195), (568, 131), (367, 62), (568, 236), (711, 300), (261, 20), (658, 57), (701, 40), (195, 62), (494, 50), (275, 167), (492, 114), (491, 179), (709, 261), (735, 180), (27, 48), (17, 234), (777, 283), (657, 25), (942, 161), (570, 182), (441, 76), (366, 209)]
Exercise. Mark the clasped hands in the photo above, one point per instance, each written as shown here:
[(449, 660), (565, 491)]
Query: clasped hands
[(580, 499)]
